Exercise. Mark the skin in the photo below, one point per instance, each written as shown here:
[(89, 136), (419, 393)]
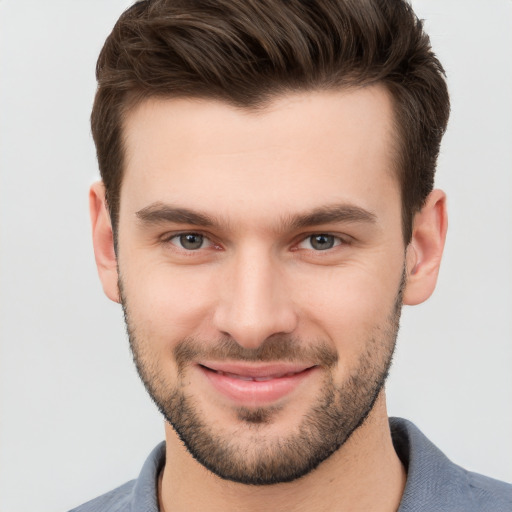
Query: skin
[(260, 276)]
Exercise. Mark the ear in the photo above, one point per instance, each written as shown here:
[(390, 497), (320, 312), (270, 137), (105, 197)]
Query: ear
[(426, 248), (103, 241)]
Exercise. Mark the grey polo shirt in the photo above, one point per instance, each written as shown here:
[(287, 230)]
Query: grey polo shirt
[(434, 483)]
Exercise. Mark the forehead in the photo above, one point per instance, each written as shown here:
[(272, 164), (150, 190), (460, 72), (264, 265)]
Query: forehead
[(305, 149)]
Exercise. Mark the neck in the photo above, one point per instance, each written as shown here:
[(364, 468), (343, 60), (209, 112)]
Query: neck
[(364, 474)]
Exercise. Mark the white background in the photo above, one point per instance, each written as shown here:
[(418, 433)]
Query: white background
[(75, 421)]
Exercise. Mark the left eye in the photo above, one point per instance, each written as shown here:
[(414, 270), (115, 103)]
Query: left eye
[(190, 241), (320, 242)]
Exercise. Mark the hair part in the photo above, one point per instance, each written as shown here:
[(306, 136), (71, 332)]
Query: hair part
[(246, 53)]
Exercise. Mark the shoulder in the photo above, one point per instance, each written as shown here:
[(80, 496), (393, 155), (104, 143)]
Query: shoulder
[(117, 500), (139, 495), (488, 493), (435, 483)]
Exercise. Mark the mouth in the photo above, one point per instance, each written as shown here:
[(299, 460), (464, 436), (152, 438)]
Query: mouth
[(256, 385), (255, 379)]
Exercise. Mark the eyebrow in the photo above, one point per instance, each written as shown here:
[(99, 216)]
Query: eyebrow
[(158, 213), (333, 214)]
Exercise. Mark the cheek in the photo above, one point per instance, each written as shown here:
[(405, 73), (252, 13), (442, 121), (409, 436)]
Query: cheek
[(167, 304), (348, 305)]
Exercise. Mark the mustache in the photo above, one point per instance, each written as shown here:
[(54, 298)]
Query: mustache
[(276, 348)]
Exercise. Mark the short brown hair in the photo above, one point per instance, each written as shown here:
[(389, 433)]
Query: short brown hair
[(245, 52)]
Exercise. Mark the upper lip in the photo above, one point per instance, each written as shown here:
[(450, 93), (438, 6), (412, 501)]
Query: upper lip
[(256, 370)]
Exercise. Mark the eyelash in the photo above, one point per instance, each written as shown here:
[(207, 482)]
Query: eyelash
[(336, 240), (178, 236)]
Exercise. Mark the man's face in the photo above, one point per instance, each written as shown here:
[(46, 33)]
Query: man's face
[(261, 264)]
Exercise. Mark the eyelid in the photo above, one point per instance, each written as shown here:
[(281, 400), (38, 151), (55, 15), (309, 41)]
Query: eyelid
[(341, 239), (168, 237)]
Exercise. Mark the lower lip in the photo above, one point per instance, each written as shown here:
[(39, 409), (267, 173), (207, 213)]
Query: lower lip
[(250, 392)]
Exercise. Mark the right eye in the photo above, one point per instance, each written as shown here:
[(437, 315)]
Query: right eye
[(190, 241)]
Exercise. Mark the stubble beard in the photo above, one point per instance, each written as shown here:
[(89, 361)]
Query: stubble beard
[(263, 459)]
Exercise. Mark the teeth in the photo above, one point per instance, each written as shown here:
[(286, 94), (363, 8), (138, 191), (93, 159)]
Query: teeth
[(255, 379), (241, 377)]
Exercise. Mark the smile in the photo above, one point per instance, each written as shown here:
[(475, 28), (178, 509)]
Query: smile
[(255, 379), (251, 385)]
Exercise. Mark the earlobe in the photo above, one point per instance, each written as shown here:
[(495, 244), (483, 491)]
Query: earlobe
[(103, 241), (425, 250)]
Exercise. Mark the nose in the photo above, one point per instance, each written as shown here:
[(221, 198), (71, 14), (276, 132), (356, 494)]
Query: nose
[(254, 302)]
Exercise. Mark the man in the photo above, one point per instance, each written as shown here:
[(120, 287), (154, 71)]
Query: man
[(266, 207)]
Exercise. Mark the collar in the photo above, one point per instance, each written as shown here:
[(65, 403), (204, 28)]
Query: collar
[(433, 481)]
